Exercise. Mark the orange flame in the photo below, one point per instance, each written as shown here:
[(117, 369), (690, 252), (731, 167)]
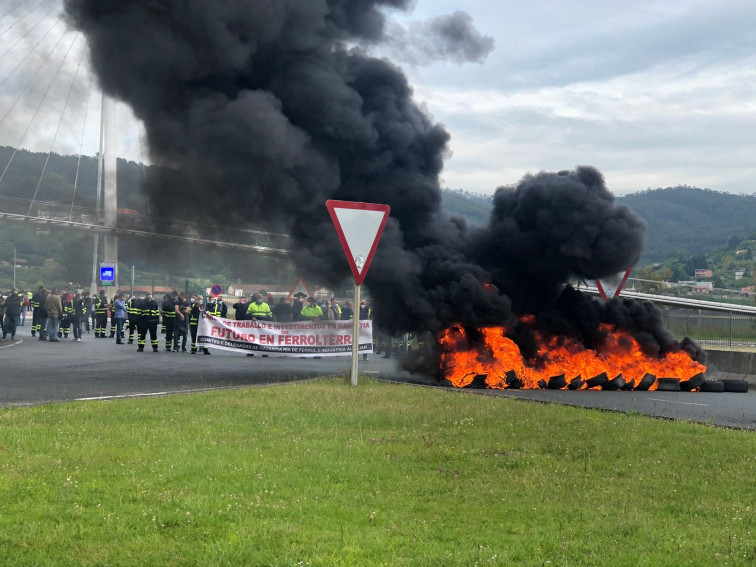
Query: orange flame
[(620, 353)]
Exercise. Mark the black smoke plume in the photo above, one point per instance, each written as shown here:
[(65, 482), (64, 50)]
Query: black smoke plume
[(267, 108), (452, 38)]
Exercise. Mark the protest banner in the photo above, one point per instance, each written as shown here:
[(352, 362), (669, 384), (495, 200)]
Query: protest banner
[(299, 338)]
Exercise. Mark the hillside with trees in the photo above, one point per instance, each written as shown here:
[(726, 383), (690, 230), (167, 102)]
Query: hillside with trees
[(689, 220), (474, 207), (732, 266)]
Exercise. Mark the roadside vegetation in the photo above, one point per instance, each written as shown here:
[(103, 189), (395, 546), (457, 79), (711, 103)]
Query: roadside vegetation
[(322, 473)]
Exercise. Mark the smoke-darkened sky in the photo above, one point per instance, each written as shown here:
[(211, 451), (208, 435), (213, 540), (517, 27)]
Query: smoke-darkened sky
[(652, 93)]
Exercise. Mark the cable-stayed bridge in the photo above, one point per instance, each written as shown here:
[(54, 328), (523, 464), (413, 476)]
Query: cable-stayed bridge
[(83, 219), (50, 104)]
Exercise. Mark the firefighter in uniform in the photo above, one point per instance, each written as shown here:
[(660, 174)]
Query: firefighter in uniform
[(66, 318), (112, 314), (149, 317), (100, 304), (197, 308), (132, 313), (168, 310), (37, 303), (216, 307)]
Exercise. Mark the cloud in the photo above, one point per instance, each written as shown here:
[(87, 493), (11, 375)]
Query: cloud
[(686, 121)]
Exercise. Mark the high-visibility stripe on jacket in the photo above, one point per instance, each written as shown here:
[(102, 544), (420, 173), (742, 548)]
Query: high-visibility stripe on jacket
[(100, 306), (261, 311), (150, 312), (131, 307), (214, 308), (169, 310), (194, 317)]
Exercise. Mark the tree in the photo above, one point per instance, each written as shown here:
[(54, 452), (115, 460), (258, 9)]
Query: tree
[(54, 272), (732, 243)]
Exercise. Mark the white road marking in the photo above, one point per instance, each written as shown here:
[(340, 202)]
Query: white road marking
[(148, 394), (674, 402)]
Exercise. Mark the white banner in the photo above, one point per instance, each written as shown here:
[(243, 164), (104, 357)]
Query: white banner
[(300, 338)]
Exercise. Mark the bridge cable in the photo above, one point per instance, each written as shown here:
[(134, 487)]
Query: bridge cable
[(38, 106), (62, 113), (81, 144), (32, 28), (27, 55), (16, 7), (22, 18)]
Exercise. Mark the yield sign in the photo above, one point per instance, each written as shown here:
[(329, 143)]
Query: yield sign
[(611, 287), (359, 226), (299, 288)]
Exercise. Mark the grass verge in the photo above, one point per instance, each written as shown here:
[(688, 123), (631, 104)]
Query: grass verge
[(322, 473)]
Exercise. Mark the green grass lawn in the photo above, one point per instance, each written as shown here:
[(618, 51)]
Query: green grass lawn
[(322, 473)]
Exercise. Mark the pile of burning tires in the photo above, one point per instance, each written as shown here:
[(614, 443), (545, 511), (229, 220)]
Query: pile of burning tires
[(697, 383)]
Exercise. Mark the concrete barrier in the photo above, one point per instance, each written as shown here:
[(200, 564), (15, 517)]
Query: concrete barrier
[(735, 364)]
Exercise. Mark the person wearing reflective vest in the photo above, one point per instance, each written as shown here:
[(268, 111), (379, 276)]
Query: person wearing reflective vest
[(259, 310), (336, 309), (149, 317), (311, 311), (194, 315), (112, 316), (132, 314), (101, 314), (168, 310), (37, 303), (216, 307), (79, 312), (66, 318)]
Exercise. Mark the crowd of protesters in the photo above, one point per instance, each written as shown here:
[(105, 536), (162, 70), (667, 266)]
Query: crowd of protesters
[(297, 309), (62, 314)]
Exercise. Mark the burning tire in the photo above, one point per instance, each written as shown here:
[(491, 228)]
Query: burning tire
[(629, 385), (646, 382), (713, 386), (557, 382), (542, 384), (576, 383), (669, 385), (596, 381), (735, 386), (693, 384), (513, 381), (615, 383), (478, 382)]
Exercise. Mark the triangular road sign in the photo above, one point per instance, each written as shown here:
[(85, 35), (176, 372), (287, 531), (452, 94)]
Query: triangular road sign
[(359, 226), (611, 287), (299, 287)]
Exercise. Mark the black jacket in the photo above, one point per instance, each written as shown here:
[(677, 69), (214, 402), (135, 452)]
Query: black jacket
[(13, 305)]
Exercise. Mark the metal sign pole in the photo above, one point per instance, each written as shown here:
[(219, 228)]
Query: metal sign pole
[(356, 334)]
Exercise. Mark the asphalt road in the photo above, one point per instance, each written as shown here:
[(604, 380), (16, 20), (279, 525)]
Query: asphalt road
[(36, 372)]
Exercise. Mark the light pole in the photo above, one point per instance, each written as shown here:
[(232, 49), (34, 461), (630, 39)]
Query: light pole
[(14, 259)]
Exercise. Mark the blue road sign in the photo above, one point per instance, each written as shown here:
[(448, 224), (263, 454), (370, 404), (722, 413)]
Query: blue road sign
[(107, 274)]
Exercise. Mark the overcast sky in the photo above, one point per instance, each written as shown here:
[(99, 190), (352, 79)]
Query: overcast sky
[(652, 93)]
